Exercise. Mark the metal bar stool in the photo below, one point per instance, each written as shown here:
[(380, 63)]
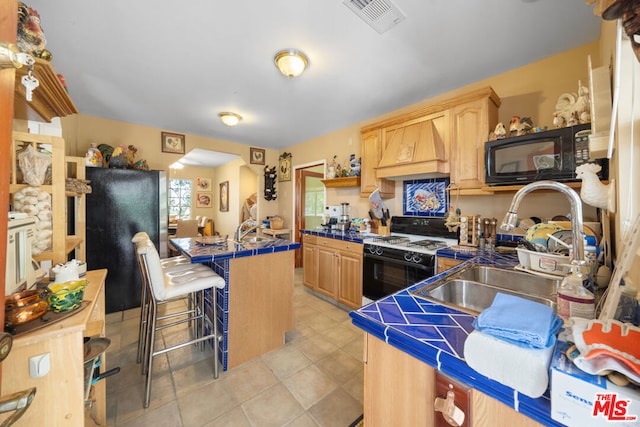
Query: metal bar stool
[(173, 266), (163, 287), (173, 263)]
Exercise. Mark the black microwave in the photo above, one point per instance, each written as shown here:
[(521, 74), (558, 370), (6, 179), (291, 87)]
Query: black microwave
[(552, 155)]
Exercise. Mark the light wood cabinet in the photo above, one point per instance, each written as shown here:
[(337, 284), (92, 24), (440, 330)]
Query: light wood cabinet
[(443, 138), (350, 282), (52, 219), (389, 371), (399, 390), (446, 263), (371, 149), (489, 412), (333, 268), (309, 261), (59, 398), (471, 122), (327, 271)]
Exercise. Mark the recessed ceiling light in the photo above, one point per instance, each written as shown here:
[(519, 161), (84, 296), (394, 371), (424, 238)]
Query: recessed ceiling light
[(291, 62), (230, 119)]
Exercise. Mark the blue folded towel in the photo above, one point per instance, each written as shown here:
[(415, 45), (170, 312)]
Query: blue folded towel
[(520, 321)]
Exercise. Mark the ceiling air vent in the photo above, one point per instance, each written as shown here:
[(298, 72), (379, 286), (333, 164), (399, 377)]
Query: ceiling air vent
[(381, 15)]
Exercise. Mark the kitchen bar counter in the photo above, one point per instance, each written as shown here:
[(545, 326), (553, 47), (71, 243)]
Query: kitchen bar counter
[(255, 308), (350, 236), (435, 334), (229, 249)]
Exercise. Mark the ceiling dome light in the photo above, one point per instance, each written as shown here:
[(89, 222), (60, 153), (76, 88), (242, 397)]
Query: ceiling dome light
[(230, 119), (291, 62)]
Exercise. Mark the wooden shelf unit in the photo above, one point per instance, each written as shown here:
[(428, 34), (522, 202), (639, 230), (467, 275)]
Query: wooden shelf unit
[(61, 167)]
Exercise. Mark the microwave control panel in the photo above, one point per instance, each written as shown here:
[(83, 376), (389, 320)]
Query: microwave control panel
[(581, 144)]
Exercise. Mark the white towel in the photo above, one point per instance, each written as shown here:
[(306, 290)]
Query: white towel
[(523, 369)]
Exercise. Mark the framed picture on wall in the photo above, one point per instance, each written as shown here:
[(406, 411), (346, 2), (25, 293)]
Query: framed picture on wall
[(224, 196), (284, 168), (256, 156), (203, 184), (204, 199), (172, 143)]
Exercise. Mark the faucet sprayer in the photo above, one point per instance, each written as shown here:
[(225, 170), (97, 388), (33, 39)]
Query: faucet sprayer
[(510, 220)]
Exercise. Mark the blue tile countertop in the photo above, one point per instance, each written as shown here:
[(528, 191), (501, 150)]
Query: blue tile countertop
[(435, 334), (199, 252), (351, 236)]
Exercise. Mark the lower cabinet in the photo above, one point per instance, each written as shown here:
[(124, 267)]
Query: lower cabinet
[(446, 263), (333, 268), (401, 390), (309, 261)]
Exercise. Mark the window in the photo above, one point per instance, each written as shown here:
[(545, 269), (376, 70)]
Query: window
[(180, 198), (314, 203)]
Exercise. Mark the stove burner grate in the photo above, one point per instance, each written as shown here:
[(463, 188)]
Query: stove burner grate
[(427, 244), (392, 240)]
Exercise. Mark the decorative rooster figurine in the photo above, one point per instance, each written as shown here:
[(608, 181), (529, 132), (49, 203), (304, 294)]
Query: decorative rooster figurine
[(593, 192), (520, 126), (30, 35)]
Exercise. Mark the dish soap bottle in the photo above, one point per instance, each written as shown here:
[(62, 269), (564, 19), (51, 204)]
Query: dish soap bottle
[(573, 299)]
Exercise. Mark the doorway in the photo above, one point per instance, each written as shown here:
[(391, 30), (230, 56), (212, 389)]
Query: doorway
[(309, 200)]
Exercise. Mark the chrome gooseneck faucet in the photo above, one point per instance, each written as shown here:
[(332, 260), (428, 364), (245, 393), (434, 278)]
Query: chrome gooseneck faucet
[(511, 218), (245, 228)]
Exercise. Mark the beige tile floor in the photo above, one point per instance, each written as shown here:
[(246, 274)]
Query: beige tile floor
[(315, 379)]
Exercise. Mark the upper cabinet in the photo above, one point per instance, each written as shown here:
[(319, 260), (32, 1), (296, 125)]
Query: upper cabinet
[(441, 139), (372, 148), (49, 100), (470, 125)]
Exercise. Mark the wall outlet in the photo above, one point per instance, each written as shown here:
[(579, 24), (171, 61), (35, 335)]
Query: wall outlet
[(40, 365)]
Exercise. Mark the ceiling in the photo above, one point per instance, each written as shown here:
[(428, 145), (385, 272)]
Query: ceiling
[(176, 65)]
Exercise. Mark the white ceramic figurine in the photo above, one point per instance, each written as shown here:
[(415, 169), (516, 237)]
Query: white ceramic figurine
[(593, 192)]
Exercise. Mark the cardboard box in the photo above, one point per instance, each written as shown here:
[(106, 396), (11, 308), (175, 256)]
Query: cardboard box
[(580, 399)]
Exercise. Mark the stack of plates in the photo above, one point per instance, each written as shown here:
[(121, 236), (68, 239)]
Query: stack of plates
[(538, 235)]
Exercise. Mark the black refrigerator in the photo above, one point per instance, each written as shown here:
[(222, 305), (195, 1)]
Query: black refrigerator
[(121, 203)]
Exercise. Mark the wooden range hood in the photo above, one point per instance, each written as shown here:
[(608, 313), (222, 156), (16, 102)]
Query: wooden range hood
[(416, 148)]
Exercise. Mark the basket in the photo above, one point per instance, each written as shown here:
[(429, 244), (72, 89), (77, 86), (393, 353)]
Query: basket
[(276, 222), (557, 265)]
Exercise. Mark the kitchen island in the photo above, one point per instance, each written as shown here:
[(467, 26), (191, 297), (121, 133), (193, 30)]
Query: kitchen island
[(409, 341), (255, 308)]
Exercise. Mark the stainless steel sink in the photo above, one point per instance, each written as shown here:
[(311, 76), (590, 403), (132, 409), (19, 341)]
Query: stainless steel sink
[(514, 280), (254, 240), (473, 288)]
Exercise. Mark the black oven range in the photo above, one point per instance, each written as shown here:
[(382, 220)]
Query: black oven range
[(407, 256)]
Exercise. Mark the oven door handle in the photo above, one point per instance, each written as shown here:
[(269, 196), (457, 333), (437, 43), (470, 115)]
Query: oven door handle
[(373, 257)]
